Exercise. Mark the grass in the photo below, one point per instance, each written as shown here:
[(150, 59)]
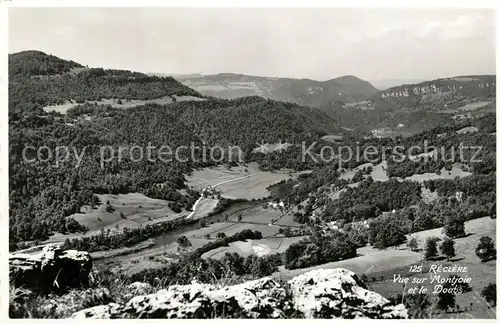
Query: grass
[(204, 207), (383, 265), (371, 260), (62, 108), (23, 304), (456, 171), (474, 105), (470, 129), (138, 210), (258, 247), (237, 182), (332, 138), (254, 217)]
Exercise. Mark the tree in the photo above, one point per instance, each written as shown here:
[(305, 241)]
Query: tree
[(389, 235), (431, 247), (446, 298), (302, 255), (454, 227), (485, 250), (221, 235), (413, 244), (183, 241), (338, 247), (447, 248), (493, 211), (358, 176), (417, 304), (489, 293)]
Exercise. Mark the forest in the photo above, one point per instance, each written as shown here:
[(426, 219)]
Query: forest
[(44, 193)]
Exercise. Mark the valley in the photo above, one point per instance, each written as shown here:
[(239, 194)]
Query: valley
[(269, 210)]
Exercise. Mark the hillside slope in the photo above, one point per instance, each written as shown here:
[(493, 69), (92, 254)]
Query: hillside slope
[(302, 91), (43, 194), (416, 107), (38, 79)]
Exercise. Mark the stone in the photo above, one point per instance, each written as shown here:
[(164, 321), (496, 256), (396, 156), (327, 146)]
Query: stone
[(51, 270), (339, 293), (137, 288), (323, 293)]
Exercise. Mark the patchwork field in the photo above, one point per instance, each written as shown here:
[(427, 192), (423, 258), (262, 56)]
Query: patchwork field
[(245, 182), (137, 209), (257, 247), (378, 173), (474, 105), (124, 103), (271, 147), (254, 216), (348, 175), (234, 228), (456, 171), (469, 129), (226, 88), (333, 138)]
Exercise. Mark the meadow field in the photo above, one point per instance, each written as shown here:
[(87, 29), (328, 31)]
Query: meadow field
[(380, 266), (62, 108), (239, 182)]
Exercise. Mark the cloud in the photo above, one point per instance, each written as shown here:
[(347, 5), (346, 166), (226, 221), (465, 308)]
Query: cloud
[(461, 28), (64, 30)]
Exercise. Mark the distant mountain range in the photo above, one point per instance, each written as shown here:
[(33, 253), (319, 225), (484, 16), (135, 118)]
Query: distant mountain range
[(411, 108), (301, 91), (348, 101)]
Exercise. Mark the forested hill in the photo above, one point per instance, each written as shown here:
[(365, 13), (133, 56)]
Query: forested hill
[(30, 63), (37, 80), (42, 195), (413, 108), (306, 92), (441, 93)]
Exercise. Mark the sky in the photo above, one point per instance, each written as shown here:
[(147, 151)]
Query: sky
[(315, 43)]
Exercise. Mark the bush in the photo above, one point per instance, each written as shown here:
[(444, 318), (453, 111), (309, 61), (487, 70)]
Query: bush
[(431, 247), (302, 255), (489, 293), (389, 235), (183, 241), (454, 227), (413, 244), (446, 299), (485, 250), (447, 248)]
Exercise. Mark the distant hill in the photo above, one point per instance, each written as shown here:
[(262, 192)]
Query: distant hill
[(442, 93), (412, 108), (42, 196), (301, 91), (29, 63), (41, 80)]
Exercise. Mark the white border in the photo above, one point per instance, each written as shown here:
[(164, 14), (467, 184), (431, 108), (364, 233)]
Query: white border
[(256, 3), (5, 4)]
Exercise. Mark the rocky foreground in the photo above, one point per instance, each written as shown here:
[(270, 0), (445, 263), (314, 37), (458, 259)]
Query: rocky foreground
[(323, 293)]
